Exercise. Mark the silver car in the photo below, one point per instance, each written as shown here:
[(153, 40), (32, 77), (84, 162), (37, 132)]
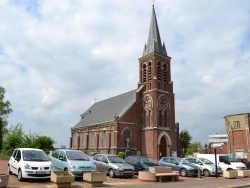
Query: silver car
[(207, 167), (113, 165)]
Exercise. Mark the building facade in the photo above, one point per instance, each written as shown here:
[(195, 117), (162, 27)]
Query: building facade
[(237, 127), (139, 122)]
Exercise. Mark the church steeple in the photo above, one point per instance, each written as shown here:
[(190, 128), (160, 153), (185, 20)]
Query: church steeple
[(154, 39)]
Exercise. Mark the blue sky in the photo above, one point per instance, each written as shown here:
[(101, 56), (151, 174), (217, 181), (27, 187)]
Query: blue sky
[(58, 57)]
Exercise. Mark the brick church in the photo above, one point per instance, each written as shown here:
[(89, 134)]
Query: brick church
[(138, 122)]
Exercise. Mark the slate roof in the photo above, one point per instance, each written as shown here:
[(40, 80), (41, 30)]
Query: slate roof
[(104, 111), (154, 38)]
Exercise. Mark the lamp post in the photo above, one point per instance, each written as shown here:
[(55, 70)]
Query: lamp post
[(205, 146)]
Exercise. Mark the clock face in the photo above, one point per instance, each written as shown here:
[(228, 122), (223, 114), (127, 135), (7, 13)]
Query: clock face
[(163, 103)]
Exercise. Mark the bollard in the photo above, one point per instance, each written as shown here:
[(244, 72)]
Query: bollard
[(199, 173)]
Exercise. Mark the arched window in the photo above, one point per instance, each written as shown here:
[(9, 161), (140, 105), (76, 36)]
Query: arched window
[(164, 123), (149, 71), (104, 138), (159, 71), (126, 137), (144, 73), (159, 118), (165, 78), (84, 140), (92, 139), (75, 140), (149, 75)]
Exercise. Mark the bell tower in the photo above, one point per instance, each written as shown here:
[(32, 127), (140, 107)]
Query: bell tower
[(159, 132)]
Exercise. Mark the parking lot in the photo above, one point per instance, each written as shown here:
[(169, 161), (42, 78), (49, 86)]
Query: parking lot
[(186, 182)]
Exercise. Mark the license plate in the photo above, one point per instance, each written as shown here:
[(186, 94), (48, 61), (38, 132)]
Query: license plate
[(127, 172), (42, 172)]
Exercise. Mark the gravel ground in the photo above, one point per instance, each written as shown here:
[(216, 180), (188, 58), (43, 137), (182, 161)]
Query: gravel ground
[(13, 182)]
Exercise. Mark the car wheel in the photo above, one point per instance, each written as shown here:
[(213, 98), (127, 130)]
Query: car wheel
[(206, 172), (111, 173), (183, 172), (9, 171), (19, 175)]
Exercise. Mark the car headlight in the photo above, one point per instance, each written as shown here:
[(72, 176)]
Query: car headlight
[(119, 168), (72, 165), (27, 166), (189, 168)]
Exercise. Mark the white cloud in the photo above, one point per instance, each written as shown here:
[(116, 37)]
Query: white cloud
[(58, 57)]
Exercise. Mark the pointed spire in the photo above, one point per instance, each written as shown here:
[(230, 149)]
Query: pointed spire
[(154, 39)]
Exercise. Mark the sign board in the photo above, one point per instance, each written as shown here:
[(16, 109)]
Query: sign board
[(217, 145), (218, 136), (218, 140)]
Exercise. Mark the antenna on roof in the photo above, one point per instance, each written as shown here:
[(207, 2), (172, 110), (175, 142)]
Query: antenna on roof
[(153, 2)]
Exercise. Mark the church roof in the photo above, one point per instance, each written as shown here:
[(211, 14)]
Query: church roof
[(154, 38), (104, 111)]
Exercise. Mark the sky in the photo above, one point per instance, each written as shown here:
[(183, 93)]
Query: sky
[(59, 57)]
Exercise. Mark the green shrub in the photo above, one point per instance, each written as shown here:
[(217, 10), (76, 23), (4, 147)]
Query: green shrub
[(121, 154), (5, 155)]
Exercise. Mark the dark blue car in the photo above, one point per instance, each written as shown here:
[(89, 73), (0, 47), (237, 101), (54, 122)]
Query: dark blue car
[(140, 163), (184, 167)]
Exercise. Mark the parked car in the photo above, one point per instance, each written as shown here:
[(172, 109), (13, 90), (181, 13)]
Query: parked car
[(140, 163), (246, 162), (29, 163), (92, 154), (113, 165), (207, 167), (184, 167), (75, 161)]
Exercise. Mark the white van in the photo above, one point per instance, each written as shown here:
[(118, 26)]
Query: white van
[(225, 161)]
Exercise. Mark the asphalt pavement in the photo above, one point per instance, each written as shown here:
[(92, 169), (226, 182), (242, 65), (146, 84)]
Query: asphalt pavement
[(211, 182)]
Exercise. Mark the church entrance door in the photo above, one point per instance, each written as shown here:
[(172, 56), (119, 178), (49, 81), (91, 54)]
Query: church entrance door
[(163, 147)]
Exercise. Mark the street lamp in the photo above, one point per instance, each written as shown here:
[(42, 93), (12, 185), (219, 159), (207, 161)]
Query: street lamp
[(205, 146)]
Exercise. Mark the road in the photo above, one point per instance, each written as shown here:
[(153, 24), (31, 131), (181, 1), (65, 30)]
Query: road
[(187, 182)]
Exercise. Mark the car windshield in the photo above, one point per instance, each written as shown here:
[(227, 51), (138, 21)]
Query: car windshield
[(34, 155), (184, 161), (231, 158), (206, 161), (77, 155), (147, 160), (115, 159)]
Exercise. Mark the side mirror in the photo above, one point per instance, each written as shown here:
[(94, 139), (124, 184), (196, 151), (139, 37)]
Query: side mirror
[(62, 159), (18, 159)]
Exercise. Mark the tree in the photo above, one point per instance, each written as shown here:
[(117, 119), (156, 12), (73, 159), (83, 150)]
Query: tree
[(43, 142), (5, 110), (185, 139), (14, 139), (194, 148)]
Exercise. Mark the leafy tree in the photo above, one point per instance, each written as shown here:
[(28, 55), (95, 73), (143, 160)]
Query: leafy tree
[(43, 142), (5, 110), (185, 139), (194, 148), (14, 139)]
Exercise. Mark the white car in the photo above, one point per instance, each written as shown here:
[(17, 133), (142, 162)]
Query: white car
[(29, 163)]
